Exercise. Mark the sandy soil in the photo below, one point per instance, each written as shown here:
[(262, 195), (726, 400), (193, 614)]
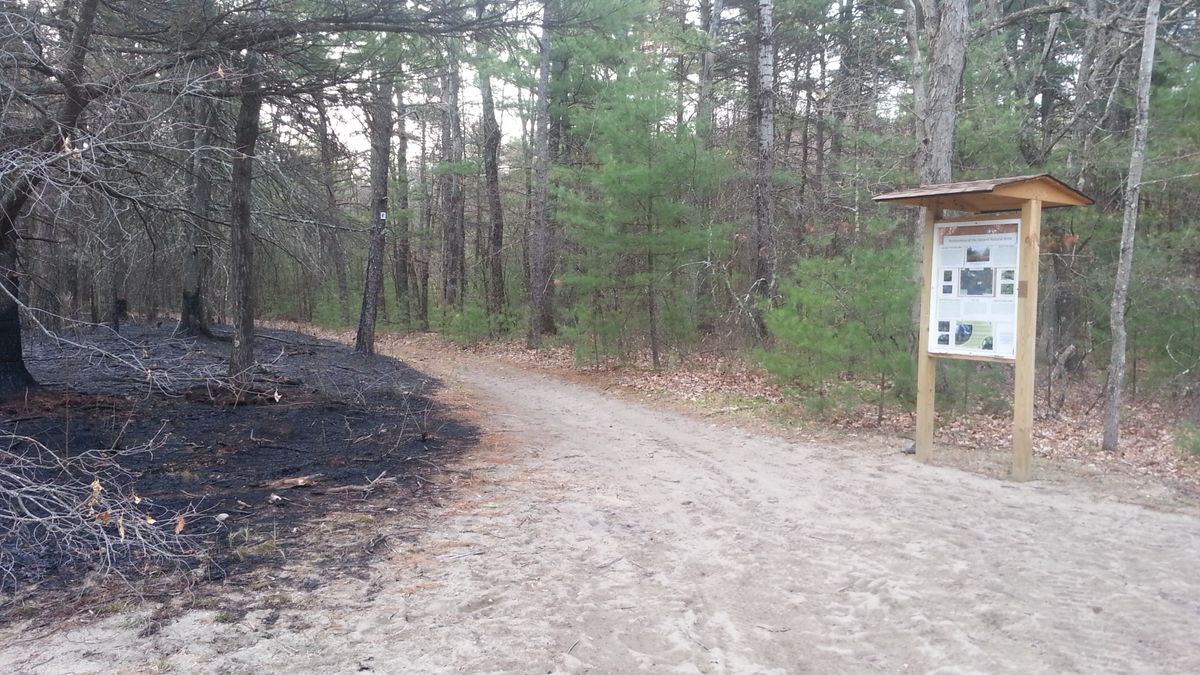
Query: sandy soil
[(609, 537)]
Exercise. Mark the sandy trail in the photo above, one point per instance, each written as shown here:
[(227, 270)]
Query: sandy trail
[(616, 538)]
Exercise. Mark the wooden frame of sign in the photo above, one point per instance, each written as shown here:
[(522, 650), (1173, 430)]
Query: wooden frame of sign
[(982, 265)]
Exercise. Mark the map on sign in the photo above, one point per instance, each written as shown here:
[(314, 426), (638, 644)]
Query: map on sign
[(973, 303)]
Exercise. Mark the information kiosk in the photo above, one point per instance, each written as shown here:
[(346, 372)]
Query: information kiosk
[(979, 285)]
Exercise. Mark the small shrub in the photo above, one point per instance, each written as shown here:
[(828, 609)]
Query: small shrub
[(845, 317), (469, 326), (1187, 439)]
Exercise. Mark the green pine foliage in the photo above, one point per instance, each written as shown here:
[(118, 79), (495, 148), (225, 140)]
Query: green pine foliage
[(628, 208), (846, 319)]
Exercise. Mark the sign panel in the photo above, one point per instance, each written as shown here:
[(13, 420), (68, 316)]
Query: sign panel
[(973, 303)]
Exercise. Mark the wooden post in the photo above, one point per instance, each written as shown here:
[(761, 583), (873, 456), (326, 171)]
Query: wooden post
[(1027, 295), (926, 373)]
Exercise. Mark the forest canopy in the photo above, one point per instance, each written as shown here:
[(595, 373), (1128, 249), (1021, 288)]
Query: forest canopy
[(619, 176)]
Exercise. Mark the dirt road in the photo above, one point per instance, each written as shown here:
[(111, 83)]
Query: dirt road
[(612, 538)]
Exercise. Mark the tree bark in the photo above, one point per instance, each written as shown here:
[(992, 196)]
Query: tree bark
[(705, 105), (539, 269), (490, 130), (1133, 188), (197, 258), (764, 162), (420, 266), (241, 240), (943, 27), (380, 131), (331, 246), (402, 249), (454, 199)]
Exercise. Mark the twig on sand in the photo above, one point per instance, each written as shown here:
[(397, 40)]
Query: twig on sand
[(455, 556), (573, 646), (772, 630)]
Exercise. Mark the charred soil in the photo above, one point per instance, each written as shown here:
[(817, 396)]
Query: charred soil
[(319, 433)]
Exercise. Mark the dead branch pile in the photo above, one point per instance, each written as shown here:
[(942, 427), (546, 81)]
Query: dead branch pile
[(78, 509)]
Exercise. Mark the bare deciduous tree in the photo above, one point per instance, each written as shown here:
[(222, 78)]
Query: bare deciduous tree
[(1133, 190)]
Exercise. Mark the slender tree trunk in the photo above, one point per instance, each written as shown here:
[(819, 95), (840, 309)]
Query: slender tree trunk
[(490, 130), (402, 252), (197, 258), (241, 241), (1133, 187), (331, 246), (380, 131), (539, 270), (454, 199), (421, 260), (119, 244), (764, 161), (527, 217), (705, 105)]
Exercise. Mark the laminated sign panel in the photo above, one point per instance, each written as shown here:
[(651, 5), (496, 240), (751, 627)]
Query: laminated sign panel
[(973, 297)]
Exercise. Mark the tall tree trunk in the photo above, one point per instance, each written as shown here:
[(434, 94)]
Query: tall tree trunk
[(454, 198), (942, 26), (936, 34), (421, 259), (241, 240), (197, 258), (764, 161), (527, 216), (14, 377), (490, 131), (539, 269), (1133, 188), (705, 105), (331, 247), (380, 131), (402, 249)]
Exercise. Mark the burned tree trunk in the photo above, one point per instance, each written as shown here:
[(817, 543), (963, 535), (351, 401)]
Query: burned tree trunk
[(241, 240), (17, 190), (380, 123), (330, 242), (14, 377), (197, 257)]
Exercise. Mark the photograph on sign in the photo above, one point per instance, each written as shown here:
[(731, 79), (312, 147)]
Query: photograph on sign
[(974, 307)]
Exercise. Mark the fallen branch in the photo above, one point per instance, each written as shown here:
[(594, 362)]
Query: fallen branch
[(289, 483), (366, 489)]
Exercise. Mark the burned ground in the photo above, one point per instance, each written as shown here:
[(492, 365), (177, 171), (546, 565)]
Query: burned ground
[(364, 434)]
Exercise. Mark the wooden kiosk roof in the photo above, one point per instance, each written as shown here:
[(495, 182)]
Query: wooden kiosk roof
[(993, 194)]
